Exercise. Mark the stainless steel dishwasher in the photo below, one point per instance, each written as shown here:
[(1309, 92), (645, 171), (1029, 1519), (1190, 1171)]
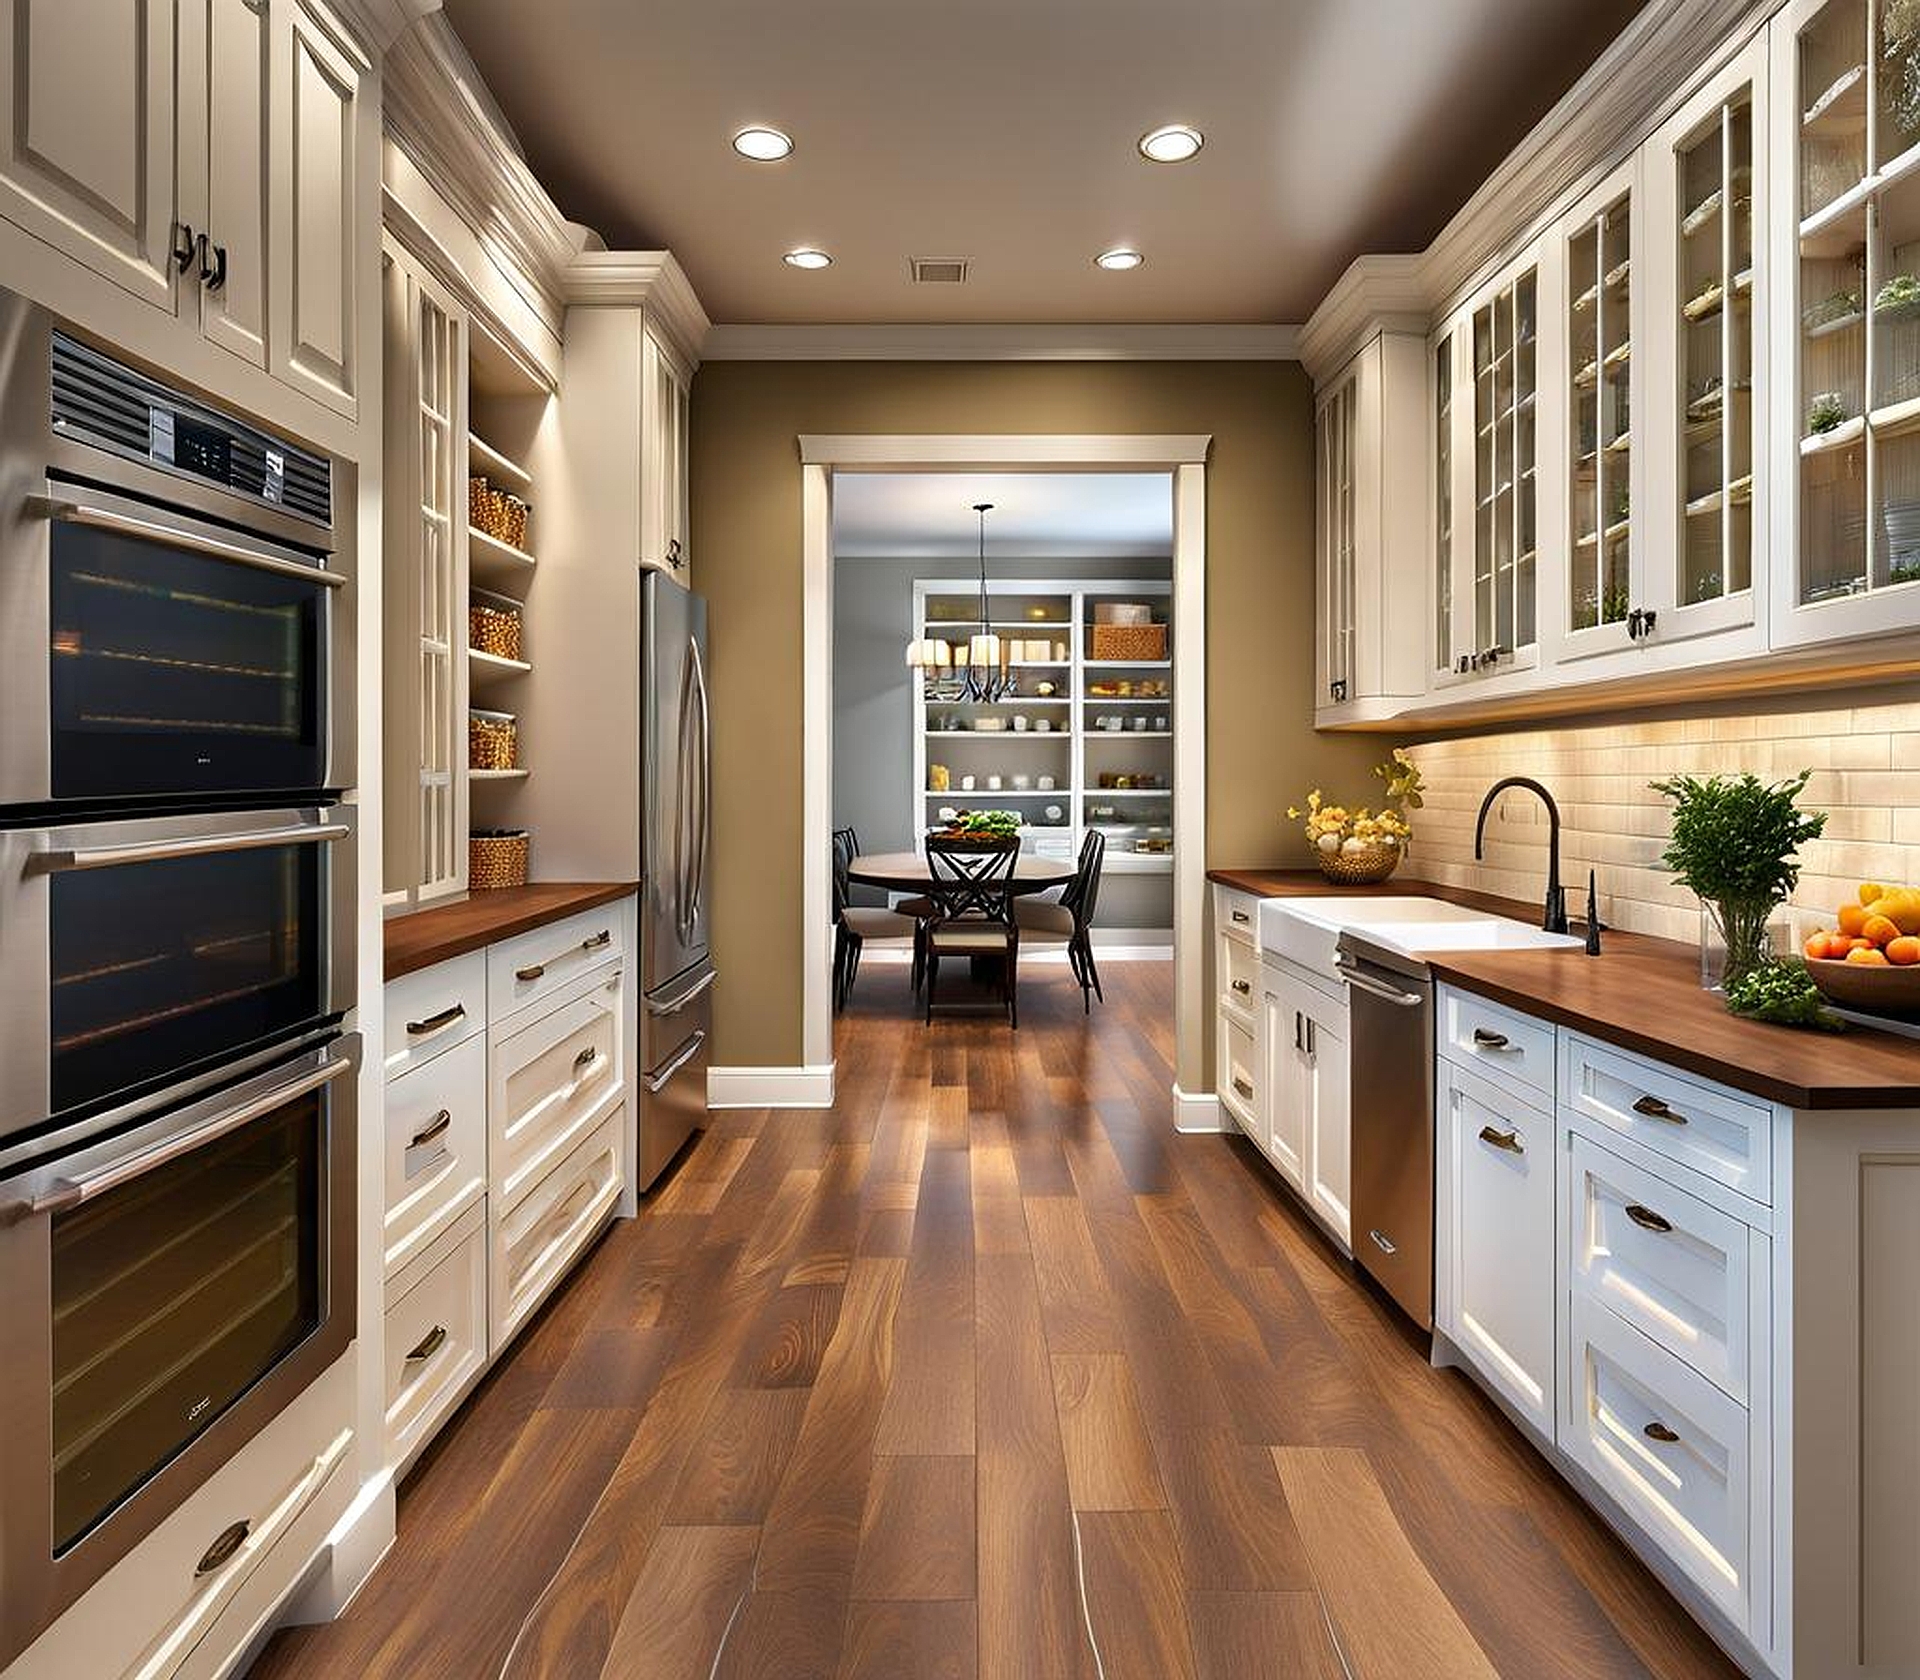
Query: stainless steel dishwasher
[(1390, 1015)]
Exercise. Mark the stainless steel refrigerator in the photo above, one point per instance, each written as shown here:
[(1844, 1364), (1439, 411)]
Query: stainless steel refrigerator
[(676, 968)]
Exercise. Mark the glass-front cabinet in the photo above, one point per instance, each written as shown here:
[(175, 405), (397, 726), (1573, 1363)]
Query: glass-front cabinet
[(1849, 550)]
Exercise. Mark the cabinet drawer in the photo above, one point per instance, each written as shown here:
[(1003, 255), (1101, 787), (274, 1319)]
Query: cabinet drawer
[(534, 1243), (436, 1148), (433, 1009), (1496, 1042), (1234, 912), (1238, 966), (436, 1336), (1727, 1137), (1672, 1450), (1240, 1075), (1674, 1268), (552, 1078), (538, 964), (1493, 1245)]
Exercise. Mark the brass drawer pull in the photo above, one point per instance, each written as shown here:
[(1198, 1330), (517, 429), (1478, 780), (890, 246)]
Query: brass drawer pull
[(533, 971), (1655, 1108), (1658, 1431), (586, 1058), (1485, 1038), (428, 1345), (1243, 987), (1241, 917), (1509, 1141), (1647, 1219), (433, 1023), (603, 937), (433, 1128), (226, 1544), (1242, 1086)]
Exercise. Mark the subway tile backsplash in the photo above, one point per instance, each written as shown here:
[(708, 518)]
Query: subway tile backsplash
[(1865, 760)]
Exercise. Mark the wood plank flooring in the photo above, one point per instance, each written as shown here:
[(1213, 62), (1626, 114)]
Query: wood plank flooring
[(986, 1374)]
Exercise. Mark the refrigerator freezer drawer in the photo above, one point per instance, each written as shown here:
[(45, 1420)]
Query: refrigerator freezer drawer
[(673, 1091)]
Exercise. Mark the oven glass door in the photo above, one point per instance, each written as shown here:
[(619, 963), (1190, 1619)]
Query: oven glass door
[(177, 956), (178, 664), (173, 1293)]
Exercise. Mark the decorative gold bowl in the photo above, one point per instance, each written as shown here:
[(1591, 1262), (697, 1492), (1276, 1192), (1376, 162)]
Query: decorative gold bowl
[(1359, 869), (1867, 986)]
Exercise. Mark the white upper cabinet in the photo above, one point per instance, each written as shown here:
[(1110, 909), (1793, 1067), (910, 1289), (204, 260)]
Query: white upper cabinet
[(666, 388), (87, 108), (1369, 422), (1847, 330), (206, 156)]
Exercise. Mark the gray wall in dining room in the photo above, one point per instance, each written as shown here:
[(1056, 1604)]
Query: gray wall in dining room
[(873, 702)]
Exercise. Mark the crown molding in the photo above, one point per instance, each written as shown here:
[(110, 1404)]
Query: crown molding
[(377, 24), (652, 279), (991, 343), (1645, 73)]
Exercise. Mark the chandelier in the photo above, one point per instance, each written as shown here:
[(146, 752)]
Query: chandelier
[(983, 673)]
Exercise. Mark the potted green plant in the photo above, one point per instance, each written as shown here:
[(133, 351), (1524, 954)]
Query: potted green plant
[(1735, 844)]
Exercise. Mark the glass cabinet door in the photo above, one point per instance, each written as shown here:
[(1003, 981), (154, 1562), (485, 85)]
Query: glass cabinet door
[(1599, 366), (1505, 398), (1335, 456), (1443, 503)]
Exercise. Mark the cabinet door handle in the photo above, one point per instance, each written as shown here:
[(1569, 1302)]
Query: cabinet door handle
[(1386, 1245), (213, 275), (1241, 917), (1509, 1141), (1655, 1108), (533, 971), (1299, 1041), (229, 1541), (183, 252), (586, 1058), (1243, 1087), (433, 1023), (1647, 1219), (1485, 1038), (1312, 1046), (1658, 1431), (428, 1345), (1243, 987), (433, 1128)]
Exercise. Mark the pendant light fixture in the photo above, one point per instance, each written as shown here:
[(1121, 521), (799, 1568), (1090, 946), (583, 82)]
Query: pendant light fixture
[(984, 674)]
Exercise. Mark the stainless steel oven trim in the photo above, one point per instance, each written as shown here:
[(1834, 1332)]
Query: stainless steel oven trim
[(28, 857), (172, 534), (38, 1586), (39, 463)]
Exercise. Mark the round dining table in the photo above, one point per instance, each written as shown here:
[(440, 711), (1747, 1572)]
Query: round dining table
[(907, 872)]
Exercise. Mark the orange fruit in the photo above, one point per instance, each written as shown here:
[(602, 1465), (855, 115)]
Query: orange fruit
[(1904, 952), (1853, 918), (1881, 930), (1868, 957), (1859, 944), (1816, 945), (1870, 891)]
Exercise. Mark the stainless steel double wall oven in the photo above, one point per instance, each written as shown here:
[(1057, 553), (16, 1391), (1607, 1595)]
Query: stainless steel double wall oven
[(177, 914)]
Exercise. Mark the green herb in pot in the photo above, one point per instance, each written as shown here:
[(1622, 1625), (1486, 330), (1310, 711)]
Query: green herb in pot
[(1783, 993)]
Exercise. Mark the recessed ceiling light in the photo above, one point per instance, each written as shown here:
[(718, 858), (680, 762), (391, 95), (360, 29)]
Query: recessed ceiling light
[(1173, 144), (1118, 258), (807, 258), (767, 145)]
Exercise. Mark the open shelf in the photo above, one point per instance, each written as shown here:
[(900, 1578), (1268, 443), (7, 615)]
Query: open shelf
[(483, 458), (1047, 737), (481, 665), (490, 557), (498, 775)]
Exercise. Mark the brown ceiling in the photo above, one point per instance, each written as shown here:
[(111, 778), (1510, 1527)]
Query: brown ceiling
[(1003, 131)]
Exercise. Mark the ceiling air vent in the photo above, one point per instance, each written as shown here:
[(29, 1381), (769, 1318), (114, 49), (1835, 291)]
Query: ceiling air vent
[(938, 271)]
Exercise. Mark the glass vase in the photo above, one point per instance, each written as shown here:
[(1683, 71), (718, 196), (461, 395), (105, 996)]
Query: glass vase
[(1735, 938)]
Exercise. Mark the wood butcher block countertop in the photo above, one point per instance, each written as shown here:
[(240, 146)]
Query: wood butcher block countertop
[(432, 936), (1644, 994)]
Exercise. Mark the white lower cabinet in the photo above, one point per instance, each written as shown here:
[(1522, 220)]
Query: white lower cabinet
[(538, 1240), (436, 1336), (1327, 1114), (436, 1148), (1493, 1245), (1672, 1450), (1283, 1034)]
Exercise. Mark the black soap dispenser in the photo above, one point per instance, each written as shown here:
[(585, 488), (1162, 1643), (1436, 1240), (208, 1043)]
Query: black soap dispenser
[(1593, 916)]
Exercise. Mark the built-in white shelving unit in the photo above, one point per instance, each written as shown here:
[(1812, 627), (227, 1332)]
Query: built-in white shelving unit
[(1072, 735)]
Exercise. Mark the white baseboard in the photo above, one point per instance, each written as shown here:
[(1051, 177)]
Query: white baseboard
[(353, 1551), (1132, 951), (1199, 1111), (770, 1087)]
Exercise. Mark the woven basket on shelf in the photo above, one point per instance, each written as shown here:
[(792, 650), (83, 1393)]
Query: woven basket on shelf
[(493, 741), (1130, 641), (1359, 869), (497, 858), (479, 500), (493, 629), (498, 513)]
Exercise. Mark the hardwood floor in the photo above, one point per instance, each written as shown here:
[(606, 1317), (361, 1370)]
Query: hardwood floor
[(986, 1373)]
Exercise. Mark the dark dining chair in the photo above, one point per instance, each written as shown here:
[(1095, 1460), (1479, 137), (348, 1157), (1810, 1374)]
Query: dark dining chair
[(1068, 920), (972, 913), (854, 924)]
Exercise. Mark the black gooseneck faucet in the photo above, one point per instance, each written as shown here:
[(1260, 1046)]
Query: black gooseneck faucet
[(1554, 918)]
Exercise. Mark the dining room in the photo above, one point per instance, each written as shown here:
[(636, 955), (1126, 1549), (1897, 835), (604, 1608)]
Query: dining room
[(1003, 698)]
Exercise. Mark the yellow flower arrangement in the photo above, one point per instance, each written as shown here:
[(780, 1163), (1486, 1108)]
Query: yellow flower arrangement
[(1333, 829)]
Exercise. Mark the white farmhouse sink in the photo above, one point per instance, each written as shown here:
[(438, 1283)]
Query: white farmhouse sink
[(1306, 930)]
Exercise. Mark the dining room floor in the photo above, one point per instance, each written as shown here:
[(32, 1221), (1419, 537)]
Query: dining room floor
[(986, 1372)]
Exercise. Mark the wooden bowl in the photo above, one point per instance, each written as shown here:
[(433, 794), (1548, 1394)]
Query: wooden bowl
[(1880, 991)]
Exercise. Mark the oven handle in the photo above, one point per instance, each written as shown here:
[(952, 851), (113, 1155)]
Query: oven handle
[(58, 862), (122, 524), (67, 1193)]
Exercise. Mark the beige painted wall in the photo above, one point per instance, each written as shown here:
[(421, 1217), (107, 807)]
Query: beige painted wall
[(746, 559)]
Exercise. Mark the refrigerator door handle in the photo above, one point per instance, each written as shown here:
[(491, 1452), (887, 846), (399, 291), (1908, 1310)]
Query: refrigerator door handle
[(683, 811), (703, 774)]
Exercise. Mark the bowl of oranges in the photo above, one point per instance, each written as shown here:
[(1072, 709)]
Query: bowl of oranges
[(1871, 958)]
